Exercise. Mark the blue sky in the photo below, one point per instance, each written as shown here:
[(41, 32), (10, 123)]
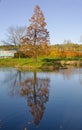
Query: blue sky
[(63, 17)]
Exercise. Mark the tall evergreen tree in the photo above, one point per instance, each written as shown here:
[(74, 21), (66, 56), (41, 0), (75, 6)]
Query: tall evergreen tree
[(37, 36)]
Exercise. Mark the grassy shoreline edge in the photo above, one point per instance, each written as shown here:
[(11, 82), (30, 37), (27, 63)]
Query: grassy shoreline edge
[(42, 63)]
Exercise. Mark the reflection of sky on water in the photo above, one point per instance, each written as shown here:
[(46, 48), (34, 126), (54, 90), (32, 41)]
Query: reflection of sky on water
[(66, 100), (62, 110)]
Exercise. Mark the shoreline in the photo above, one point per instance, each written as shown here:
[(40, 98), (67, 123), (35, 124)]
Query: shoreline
[(42, 65)]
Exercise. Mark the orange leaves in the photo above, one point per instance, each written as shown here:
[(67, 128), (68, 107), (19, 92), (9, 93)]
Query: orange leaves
[(38, 18), (70, 54), (33, 44), (56, 52)]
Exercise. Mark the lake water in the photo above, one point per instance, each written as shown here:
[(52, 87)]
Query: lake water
[(40, 100)]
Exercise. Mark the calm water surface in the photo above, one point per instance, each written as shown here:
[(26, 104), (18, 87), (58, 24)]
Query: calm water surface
[(41, 100)]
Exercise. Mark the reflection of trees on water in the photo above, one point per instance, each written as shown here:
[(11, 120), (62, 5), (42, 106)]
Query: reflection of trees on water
[(80, 75), (35, 88), (14, 89), (11, 78), (67, 73), (14, 79), (36, 91)]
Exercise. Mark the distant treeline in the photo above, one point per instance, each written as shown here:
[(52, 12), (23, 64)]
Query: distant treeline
[(66, 50), (68, 46), (8, 47)]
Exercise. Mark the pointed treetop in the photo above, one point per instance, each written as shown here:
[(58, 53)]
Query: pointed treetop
[(38, 20)]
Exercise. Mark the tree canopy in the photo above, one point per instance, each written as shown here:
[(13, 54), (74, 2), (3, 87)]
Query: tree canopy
[(37, 37)]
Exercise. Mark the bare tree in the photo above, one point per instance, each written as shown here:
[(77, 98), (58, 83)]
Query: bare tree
[(14, 35)]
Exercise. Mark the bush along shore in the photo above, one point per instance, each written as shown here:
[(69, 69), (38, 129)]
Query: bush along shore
[(42, 63)]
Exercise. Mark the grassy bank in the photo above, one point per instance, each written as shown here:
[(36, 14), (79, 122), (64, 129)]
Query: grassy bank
[(42, 63), (23, 62)]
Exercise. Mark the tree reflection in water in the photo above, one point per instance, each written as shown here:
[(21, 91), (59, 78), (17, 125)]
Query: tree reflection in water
[(36, 91), (11, 78), (34, 88)]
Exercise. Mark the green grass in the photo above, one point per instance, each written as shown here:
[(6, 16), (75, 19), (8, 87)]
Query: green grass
[(13, 62), (42, 62)]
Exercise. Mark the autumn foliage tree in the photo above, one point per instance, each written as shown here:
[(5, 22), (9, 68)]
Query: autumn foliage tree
[(37, 37)]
